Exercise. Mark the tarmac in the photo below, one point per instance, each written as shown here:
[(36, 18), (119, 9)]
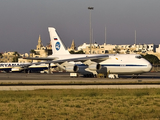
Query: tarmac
[(34, 81)]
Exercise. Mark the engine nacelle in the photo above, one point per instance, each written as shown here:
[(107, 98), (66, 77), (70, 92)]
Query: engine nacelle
[(94, 66), (72, 68), (17, 69)]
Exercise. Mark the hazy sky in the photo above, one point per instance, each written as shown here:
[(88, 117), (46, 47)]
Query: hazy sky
[(22, 21)]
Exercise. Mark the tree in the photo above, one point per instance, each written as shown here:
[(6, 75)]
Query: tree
[(127, 51), (33, 52), (152, 59), (16, 56), (116, 49), (79, 52), (1, 55), (71, 52)]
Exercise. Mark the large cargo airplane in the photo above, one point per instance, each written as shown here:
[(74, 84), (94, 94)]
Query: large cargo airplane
[(93, 64)]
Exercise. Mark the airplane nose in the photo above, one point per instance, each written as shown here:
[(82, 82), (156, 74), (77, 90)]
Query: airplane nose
[(149, 67)]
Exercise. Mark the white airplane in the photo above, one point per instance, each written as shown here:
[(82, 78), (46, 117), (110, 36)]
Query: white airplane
[(18, 67), (7, 67), (93, 64)]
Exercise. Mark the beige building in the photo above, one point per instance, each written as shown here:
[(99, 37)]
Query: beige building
[(121, 49), (40, 51), (158, 49), (96, 48), (7, 57), (73, 47)]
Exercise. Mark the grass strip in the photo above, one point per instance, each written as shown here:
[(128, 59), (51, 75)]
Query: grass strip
[(115, 104)]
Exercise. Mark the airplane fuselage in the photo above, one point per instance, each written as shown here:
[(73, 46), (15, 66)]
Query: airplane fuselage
[(16, 66), (115, 64)]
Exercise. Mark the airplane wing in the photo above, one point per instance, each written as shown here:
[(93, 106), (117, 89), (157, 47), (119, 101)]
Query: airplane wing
[(83, 59), (95, 58), (40, 58)]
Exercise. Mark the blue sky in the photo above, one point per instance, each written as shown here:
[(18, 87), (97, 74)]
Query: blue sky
[(21, 22)]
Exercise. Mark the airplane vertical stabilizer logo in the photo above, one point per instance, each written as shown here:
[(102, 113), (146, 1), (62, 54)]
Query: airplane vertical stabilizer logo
[(57, 46)]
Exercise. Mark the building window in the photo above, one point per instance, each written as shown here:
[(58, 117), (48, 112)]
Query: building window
[(106, 51)]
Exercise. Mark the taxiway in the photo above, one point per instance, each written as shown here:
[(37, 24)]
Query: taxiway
[(34, 81)]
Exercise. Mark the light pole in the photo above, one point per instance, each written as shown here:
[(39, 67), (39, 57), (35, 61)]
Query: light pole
[(90, 8)]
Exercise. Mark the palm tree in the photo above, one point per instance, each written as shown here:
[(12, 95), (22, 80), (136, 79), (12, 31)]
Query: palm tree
[(33, 52), (16, 56), (1, 55)]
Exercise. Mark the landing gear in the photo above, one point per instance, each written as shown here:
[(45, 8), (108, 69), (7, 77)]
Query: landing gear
[(135, 76), (49, 70), (89, 75), (113, 76)]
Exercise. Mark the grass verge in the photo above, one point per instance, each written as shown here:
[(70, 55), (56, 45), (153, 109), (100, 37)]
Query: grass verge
[(80, 104)]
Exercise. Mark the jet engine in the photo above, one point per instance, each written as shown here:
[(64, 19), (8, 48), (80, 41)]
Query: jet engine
[(75, 68), (72, 68), (94, 66)]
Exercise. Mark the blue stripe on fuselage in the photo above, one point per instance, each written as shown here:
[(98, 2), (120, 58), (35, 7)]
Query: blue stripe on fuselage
[(128, 65)]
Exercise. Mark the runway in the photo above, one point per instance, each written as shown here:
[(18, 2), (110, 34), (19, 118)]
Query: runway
[(34, 81), (65, 76)]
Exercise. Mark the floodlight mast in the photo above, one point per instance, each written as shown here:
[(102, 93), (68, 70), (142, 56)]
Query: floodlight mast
[(90, 8)]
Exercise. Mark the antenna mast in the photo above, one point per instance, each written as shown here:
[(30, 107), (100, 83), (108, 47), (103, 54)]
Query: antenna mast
[(105, 35), (135, 37)]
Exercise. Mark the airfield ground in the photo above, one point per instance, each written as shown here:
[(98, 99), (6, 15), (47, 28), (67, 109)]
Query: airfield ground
[(66, 104)]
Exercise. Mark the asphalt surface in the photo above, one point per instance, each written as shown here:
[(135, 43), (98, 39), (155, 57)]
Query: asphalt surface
[(34, 81), (65, 76)]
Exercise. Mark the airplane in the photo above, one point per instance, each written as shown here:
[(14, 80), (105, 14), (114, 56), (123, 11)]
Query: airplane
[(7, 67), (90, 65), (19, 67)]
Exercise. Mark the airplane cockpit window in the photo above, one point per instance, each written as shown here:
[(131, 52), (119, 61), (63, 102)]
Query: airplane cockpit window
[(139, 57)]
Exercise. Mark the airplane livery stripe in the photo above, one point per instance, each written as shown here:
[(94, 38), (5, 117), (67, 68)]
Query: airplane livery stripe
[(129, 65), (121, 65)]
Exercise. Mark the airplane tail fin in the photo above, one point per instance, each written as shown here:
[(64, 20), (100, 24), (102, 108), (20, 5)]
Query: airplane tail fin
[(57, 46)]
